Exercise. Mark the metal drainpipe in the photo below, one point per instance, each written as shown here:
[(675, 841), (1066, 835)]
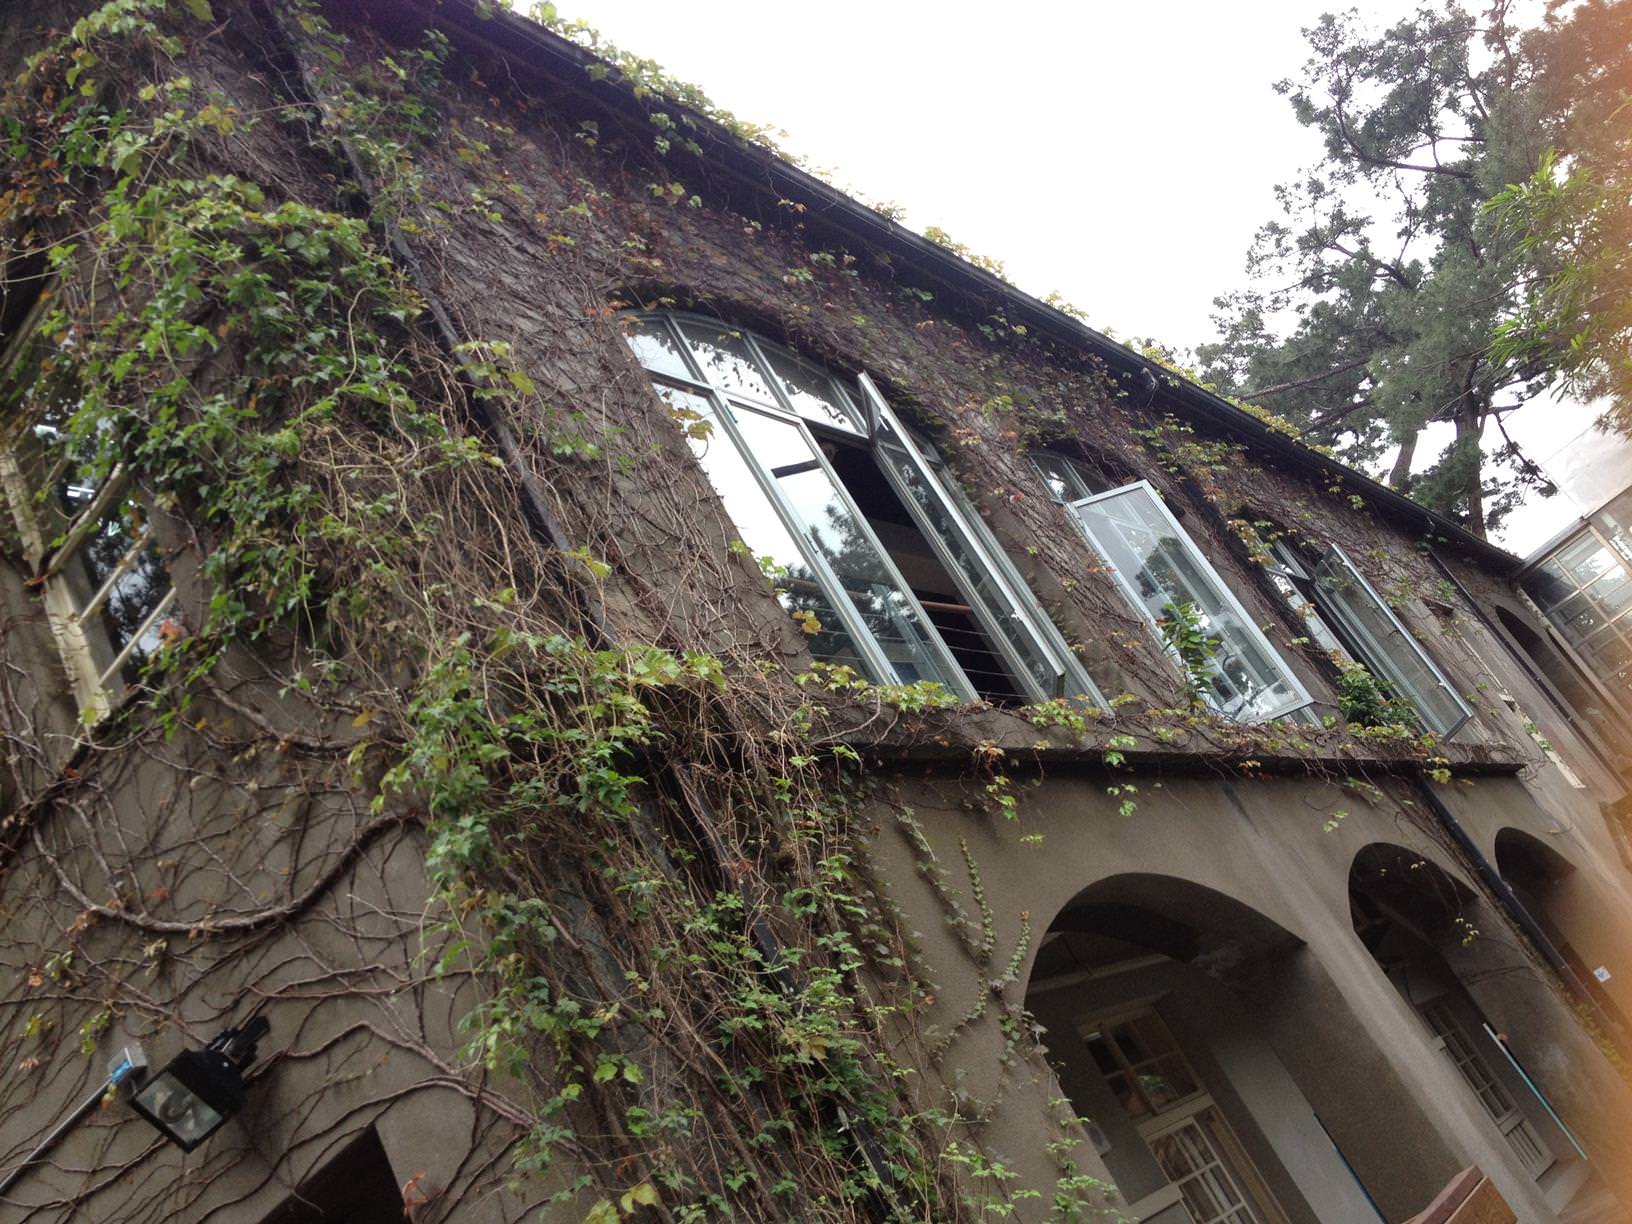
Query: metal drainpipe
[(1512, 906)]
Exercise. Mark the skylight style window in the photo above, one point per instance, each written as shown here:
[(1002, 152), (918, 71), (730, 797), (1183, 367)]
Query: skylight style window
[(1160, 570), (107, 592), (869, 544)]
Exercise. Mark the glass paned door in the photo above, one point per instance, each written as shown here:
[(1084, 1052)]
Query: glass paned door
[(1190, 1140), (1521, 1136), (1195, 1161)]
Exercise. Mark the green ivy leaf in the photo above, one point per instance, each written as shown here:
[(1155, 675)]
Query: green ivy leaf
[(200, 9), (643, 1195)]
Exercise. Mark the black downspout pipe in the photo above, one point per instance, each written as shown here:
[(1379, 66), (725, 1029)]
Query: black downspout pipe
[(1515, 909), (489, 421)]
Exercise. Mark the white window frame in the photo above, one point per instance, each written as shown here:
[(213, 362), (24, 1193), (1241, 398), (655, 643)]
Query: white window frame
[(98, 689), (875, 425), (1188, 1110), (1378, 660), (1299, 696)]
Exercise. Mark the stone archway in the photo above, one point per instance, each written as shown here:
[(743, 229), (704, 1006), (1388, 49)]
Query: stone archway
[(1145, 985), (1434, 938)]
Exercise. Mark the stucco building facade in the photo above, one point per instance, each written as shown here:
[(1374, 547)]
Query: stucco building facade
[(676, 697)]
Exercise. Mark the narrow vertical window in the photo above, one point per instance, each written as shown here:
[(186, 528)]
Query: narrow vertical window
[(106, 590), (1353, 607)]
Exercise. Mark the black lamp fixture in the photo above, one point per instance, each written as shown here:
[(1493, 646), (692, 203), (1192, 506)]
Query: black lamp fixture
[(190, 1099)]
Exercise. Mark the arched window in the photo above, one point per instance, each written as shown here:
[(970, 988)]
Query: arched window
[(868, 542)]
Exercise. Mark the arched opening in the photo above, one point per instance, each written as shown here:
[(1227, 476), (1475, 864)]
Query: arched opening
[(1586, 707), (1540, 878), (1422, 926), (1146, 987)]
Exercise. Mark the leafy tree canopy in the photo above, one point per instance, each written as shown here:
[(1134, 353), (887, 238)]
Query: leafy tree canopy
[(1377, 292)]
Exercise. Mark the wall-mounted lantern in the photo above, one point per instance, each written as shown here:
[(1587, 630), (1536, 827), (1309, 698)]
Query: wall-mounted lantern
[(190, 1099)]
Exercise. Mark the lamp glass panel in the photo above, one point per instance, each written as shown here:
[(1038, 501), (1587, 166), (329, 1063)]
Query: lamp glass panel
[(180, 1111)]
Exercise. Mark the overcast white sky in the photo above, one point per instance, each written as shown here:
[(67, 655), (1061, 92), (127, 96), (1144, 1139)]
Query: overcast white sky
[(1122, 154)]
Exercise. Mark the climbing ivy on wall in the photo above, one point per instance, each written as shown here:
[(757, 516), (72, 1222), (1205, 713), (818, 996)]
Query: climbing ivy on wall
[(683, 980), (646, 861)]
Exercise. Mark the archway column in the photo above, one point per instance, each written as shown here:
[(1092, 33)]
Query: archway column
[(1340, 1025)]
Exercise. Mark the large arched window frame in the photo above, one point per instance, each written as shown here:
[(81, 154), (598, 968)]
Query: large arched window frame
[(773, 432)]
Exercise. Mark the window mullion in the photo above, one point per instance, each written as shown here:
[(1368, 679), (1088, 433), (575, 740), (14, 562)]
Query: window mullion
[(88, 519), (769, 374), (151, 619), (122, 567)]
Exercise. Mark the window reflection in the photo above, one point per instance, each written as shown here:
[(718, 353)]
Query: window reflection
[(861, 528), (724, 360), (836, 533), (755, 517), (1162, 570)]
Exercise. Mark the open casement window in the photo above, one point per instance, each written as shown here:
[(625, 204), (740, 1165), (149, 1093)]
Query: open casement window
[(1296, 586), (1374, 635), (1160, 569), (869, 545), (106, 591)]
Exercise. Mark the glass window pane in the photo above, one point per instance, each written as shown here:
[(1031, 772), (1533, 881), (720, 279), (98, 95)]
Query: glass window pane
[(116, 562), (973, 571), (654, 346), (1577, 616), (1584, 560), (810, 390), (838, 535), (1056, 476), (1067, 480), (1385, 645), (725, 360), (1159, 566), (1613, 592), (761, 529)]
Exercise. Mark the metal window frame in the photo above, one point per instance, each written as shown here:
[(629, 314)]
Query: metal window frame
[(1410, 640), (878, 662), (870, 412), (1300, 695), (1023, 604)]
